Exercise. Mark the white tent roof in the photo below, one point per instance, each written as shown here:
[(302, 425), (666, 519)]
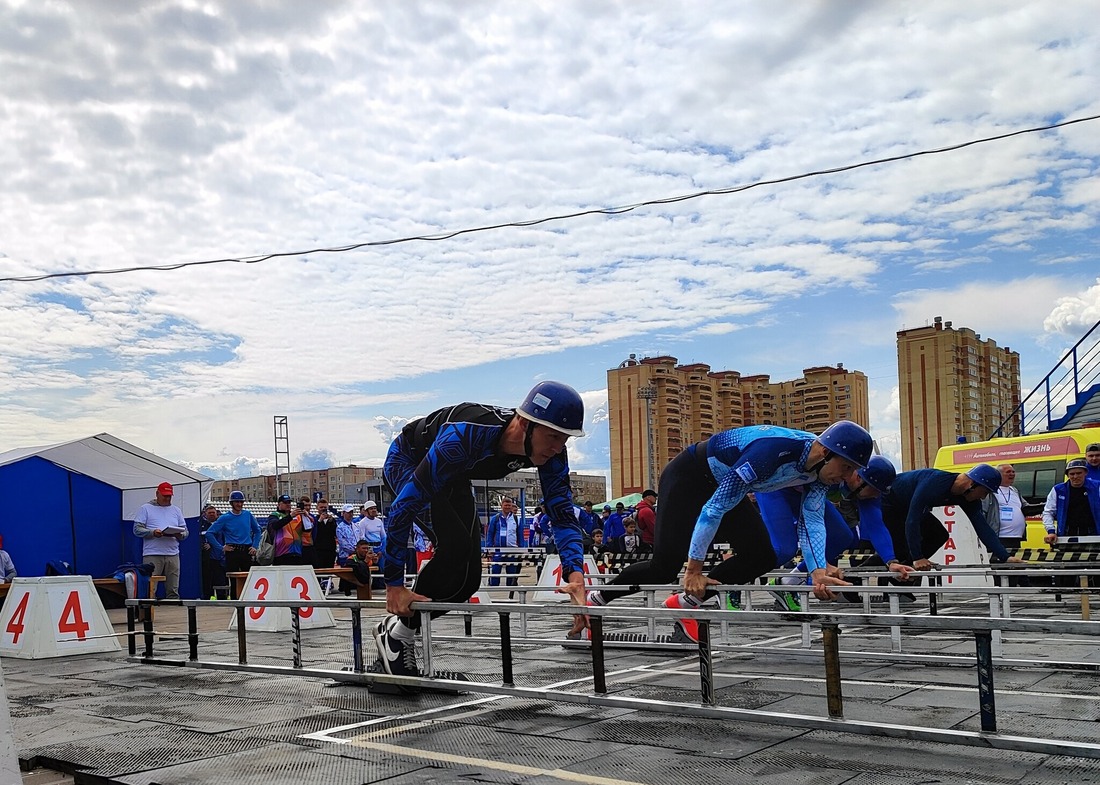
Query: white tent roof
[(122, 465)]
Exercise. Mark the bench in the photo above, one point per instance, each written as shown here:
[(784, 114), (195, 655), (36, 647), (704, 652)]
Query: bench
[(362, 590), (110, 584)]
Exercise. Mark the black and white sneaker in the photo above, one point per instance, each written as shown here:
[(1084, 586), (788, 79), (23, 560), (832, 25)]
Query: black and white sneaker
[(397, 657)]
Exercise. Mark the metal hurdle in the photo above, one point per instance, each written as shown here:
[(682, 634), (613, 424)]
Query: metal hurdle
[(830, 623)]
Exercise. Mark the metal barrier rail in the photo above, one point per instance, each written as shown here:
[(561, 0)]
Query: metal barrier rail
[(829, 622)]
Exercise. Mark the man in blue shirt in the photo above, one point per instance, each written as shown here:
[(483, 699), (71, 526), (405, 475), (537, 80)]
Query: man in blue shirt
[(917, 533), (504, 532), (780, 512), (1073, 507), (430, 466), (1092, 461), (703, 492), (240, 532)]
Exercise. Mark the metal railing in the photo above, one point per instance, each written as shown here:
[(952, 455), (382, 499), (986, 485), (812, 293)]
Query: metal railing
[(1057, 397)]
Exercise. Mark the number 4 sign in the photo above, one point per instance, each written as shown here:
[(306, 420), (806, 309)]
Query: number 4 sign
[(54, 617)]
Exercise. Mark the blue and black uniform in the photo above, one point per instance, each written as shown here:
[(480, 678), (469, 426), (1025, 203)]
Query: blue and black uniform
[(429, 468), (916, 532), (781, 511), (703, 498)]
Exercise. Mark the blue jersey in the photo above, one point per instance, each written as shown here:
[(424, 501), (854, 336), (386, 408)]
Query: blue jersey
[(458, 444), (235, 529), (762, 458), (915, 493), (781, 511)]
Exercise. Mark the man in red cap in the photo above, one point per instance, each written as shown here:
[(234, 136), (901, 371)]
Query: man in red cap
[(162, 528)]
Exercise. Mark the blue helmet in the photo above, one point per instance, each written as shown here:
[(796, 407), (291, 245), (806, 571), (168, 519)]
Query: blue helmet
[(556, 406), (879, 474), (848, 440), (236, 496), (986, 476)]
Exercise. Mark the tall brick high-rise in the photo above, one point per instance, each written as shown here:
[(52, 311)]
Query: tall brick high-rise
[(952, 385), (656, 408)]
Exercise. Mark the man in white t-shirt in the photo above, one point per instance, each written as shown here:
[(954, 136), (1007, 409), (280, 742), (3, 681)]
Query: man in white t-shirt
[(162, 528)]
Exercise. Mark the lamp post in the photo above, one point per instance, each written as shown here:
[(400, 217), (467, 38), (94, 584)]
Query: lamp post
[(648, 394)]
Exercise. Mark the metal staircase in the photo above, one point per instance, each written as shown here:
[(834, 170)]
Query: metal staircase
[(1068, 397)]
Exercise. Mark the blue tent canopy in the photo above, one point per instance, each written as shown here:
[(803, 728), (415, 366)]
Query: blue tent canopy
[(76, 502)]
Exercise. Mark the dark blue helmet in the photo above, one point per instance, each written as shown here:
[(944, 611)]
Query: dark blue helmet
[(556, 406), (848, 440), (236, 496), (986, 476), (879, 474)]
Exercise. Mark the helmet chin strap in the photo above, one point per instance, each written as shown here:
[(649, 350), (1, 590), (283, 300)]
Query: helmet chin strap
[(853, 493), (527, 437), (817, 466)]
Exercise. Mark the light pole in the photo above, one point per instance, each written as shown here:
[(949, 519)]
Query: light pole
[(648, 394)]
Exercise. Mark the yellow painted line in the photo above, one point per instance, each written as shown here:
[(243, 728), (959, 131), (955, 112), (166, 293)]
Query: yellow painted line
[(496, 765)]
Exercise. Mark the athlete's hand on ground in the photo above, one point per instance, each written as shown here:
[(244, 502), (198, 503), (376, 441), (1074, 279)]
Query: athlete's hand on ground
[(1014, 560), (398, 600), (903, 570), (695, 583), (924, 565), (833, 571), (822, 582), (1051, 538)]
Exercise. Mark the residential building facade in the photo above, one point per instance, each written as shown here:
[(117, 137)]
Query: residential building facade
[(657, 407), (953, 386)]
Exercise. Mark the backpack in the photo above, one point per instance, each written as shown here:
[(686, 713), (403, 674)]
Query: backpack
[(265, 554), (58, 567)]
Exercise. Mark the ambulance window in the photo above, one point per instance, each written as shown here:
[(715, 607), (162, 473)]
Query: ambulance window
[(1045, 479)]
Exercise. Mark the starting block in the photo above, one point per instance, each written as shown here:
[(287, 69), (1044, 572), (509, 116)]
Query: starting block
[(54, 617), (550, 579), (292, 582)]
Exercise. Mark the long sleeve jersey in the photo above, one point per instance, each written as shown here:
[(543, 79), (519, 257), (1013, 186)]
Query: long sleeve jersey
[(458, 444), (762, 458), (915, 493), (234, 529)]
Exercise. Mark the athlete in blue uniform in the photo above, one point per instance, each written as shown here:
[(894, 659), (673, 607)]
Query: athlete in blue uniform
[(917, 533), (781, 509), (703, 493), (430, 465)]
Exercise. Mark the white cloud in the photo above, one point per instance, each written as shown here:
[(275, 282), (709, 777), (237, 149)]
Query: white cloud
[(183, 132)]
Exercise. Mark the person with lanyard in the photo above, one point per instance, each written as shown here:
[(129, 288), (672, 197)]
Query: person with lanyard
[(917, 533), (1073, 507), (703, 493), (504, 532), (430, 465), (779, 510)]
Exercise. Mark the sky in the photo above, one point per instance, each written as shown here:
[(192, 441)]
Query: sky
[(176, 132)]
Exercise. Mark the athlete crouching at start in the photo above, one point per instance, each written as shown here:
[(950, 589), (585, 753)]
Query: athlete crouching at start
[(863, 501), (430, 466), (703, 494)]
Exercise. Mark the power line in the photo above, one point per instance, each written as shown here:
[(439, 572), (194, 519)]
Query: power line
[(547, 219)]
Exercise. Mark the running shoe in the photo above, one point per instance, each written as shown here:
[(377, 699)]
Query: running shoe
[(682, 628), (397, 657), (785, 600), (733, 601)]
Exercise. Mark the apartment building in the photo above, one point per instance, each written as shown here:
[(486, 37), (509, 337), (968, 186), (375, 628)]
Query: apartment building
[(657, 407), (953, 385)]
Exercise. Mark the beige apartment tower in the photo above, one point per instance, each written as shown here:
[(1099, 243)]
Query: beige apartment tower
[(953, 385), (656, 408)]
